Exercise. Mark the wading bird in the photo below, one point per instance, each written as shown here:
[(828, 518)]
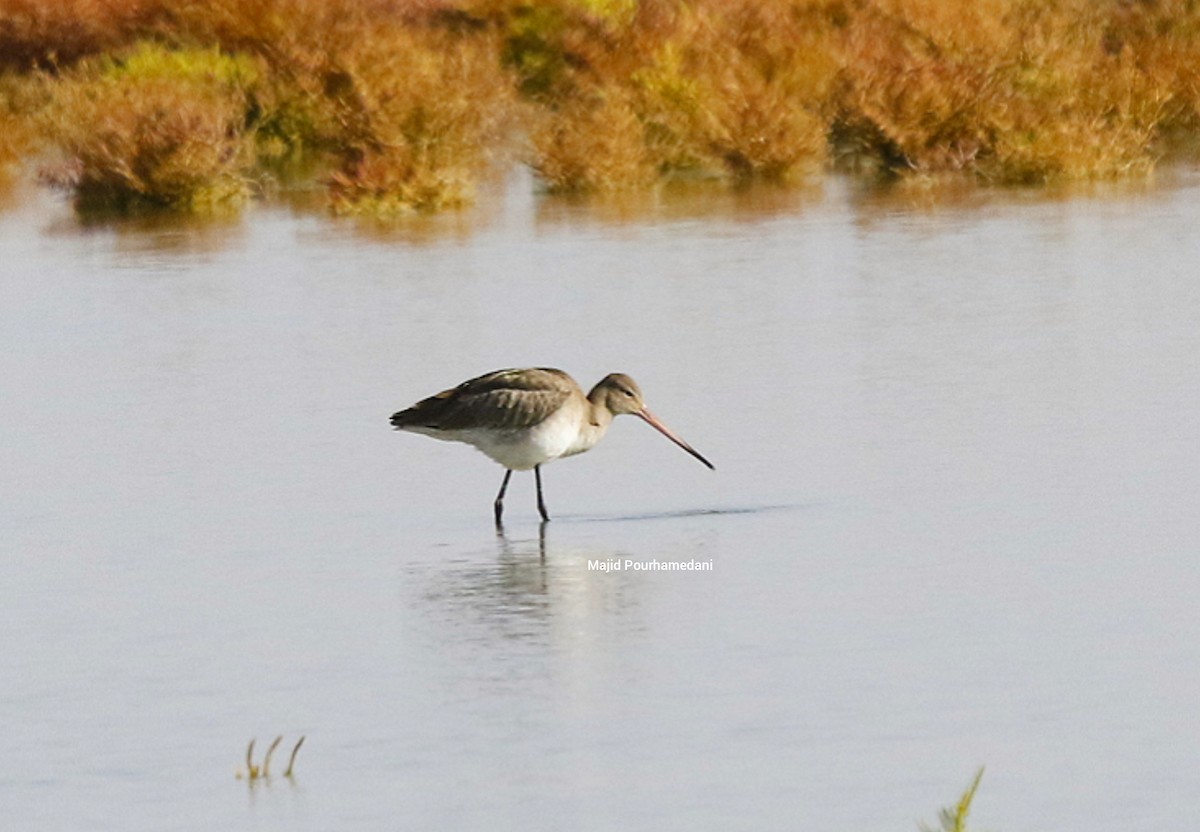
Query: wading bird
[(524, 418)]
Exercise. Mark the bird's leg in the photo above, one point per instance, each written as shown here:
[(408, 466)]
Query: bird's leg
[(537, 474), (498, 506)]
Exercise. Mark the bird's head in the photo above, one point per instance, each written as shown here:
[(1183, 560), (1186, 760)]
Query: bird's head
[(619, 394)]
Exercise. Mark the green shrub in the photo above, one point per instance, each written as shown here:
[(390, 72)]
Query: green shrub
[(156, 128)]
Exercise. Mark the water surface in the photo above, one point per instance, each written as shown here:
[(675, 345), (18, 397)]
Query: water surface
[(953, 519)]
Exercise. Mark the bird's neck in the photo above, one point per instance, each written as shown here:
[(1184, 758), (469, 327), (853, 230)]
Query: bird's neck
[(596, 420)]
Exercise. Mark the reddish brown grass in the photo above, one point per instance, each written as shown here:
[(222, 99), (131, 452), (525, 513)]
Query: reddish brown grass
[(406, 103), (160, 128)]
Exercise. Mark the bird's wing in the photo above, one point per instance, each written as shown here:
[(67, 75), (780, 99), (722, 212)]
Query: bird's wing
[(505, 399)]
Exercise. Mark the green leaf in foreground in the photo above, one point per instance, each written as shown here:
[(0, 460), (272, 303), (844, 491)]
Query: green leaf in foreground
[(954, 818)]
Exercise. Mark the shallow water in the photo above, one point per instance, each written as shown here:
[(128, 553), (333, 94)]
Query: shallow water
[(953, 521)]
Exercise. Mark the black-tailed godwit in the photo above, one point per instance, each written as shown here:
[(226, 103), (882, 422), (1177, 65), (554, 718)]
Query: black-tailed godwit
[(525, 418)]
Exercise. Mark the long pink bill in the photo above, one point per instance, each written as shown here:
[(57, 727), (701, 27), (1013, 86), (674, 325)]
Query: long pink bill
[(652, 420)]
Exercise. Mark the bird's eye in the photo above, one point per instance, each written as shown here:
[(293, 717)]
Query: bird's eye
[(628, 393)]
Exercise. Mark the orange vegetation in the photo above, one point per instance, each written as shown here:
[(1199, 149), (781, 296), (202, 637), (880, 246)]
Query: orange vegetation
[(405, 104)]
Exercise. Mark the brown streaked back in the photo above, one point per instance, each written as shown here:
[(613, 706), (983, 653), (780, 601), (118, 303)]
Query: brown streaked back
[(503, 400)]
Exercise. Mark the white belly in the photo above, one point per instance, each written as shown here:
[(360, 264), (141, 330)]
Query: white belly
[(519, 450)]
